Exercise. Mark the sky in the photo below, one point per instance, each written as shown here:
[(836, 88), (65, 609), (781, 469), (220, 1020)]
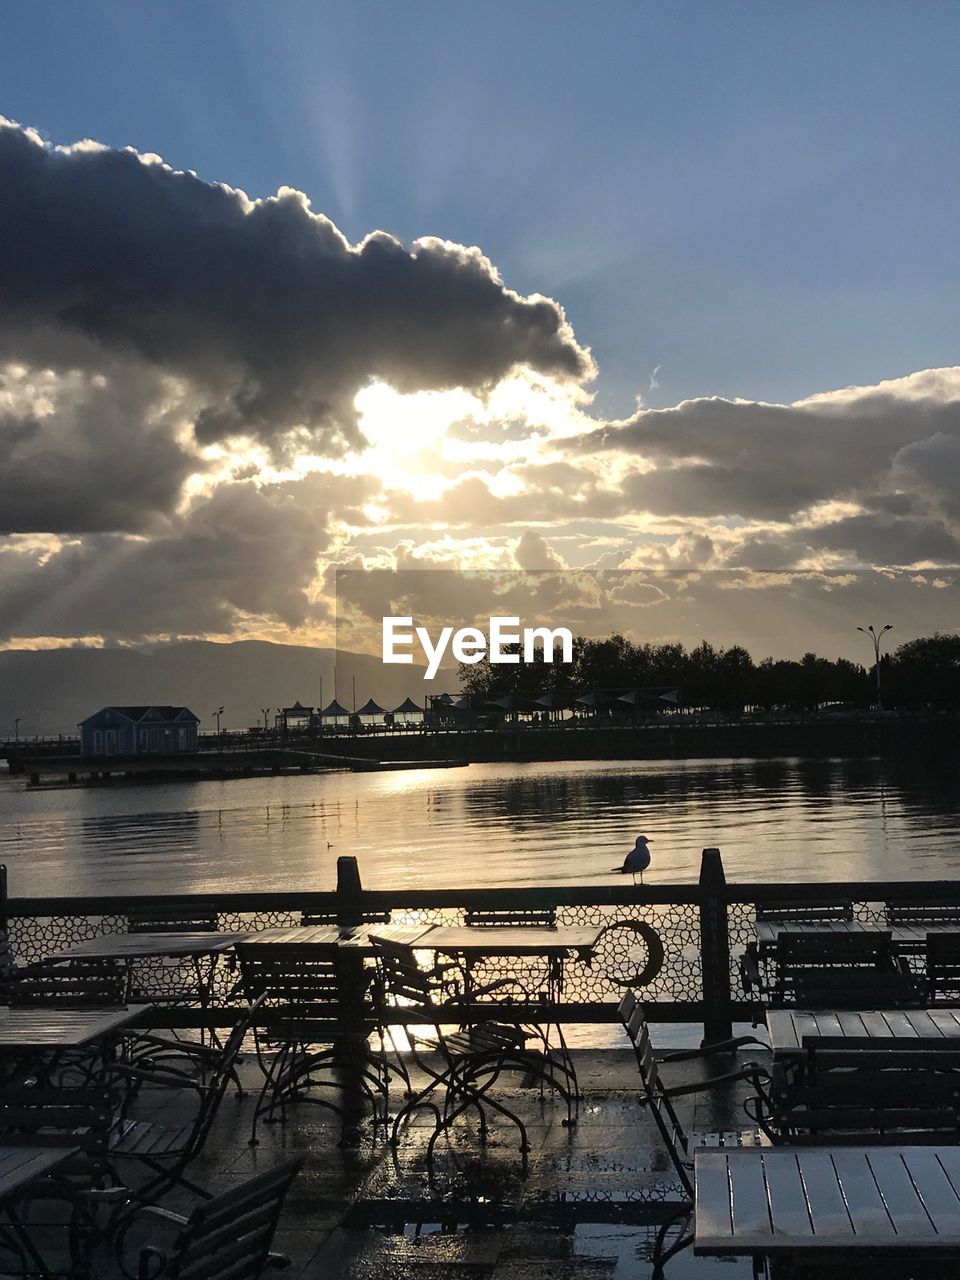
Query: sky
[(654, 288)]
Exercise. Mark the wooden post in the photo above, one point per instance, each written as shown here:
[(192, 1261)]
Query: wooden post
[(352, 981), (6, 954), (714, 949), (349, 892)]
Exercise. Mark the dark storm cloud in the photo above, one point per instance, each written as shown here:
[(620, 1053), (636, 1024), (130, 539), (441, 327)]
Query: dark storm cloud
[(262, 306), (878, 540), (243, 551), (81, 454)]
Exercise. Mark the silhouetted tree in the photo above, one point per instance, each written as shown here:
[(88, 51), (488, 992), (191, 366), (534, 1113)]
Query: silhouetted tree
[(921, 674), (924, 673)]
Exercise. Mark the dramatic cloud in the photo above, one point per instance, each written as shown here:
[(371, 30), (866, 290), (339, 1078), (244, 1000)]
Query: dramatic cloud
[(262, 306), (744, 459), (86, 453), (208, 403), (533, 552), (244, 552)]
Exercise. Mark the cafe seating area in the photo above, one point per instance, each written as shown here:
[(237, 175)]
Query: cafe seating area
[(401, 1097)]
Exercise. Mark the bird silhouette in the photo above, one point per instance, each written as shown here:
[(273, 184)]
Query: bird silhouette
[(637, 860)]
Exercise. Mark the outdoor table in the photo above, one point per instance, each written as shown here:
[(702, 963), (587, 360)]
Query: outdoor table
[(138, 946), (831, 1201), (21, 1165), (197, 946), (908, 938), (481, 942), (512, 939), (39, 1033), (353, 938), (792, 1031), (53, 1028)]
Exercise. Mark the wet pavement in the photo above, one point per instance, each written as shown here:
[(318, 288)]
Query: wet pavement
[(589, 1205)]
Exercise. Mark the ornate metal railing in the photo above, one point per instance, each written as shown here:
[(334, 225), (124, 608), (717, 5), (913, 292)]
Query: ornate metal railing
[(678, 946)]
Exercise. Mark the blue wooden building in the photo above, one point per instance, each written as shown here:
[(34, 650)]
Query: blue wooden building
[(139, 731)]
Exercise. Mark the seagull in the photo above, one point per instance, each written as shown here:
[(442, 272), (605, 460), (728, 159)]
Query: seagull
[(638, 859)]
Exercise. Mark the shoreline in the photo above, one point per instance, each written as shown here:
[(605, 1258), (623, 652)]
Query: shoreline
[(934, 739)]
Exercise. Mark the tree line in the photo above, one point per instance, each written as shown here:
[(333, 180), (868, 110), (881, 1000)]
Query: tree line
[(922, 674)]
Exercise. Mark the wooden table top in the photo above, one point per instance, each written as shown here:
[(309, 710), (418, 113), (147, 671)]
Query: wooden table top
[(511, 940), (53, 1028), (134, 946), (903, 935), (20, 1165), (356, 938), (836, 1200), (792, 1031)]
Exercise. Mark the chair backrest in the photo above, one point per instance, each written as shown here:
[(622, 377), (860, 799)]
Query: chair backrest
[(869, 949), (805, 962), (305, 985), (228, 1237), (943, 962), (401, 981), (844, 987), (51, 1116), (918, 912), (866, 1094), (655, 1096), (804, 912), (218, 1078), (158, 917), (331, 917), (542, 917), (81, 983)]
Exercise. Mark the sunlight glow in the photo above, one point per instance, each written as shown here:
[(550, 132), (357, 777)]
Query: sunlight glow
[(414, 444)]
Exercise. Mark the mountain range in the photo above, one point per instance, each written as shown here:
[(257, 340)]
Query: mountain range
[(51, 690)]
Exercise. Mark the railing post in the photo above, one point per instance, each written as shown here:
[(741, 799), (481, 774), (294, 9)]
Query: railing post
[(351, 981), (714, 949), (349, 892)]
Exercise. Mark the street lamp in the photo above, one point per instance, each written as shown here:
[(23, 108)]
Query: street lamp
[(875, 637), (16, 736), (217, 714), (265, 711)]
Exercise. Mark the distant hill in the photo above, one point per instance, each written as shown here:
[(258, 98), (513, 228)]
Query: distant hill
[(52, 689)]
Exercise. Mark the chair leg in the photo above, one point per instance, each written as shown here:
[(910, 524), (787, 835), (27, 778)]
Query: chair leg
[(661, 1255), (477, 1095), (271, 1075)]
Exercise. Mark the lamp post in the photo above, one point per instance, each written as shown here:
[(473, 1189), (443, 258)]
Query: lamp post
[(265, 712), (875, 636), (16, 737), (216, 715)]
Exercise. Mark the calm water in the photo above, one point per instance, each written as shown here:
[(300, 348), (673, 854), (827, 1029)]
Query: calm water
[(488, 825)]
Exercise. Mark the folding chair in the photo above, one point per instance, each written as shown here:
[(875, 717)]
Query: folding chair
[(943, 965), (316, 1013), (462, 1066), (226, 1238), (678, 1142), (166, 1150)]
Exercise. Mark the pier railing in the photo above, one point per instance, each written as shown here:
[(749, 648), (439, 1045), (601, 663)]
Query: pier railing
[(678, 946)]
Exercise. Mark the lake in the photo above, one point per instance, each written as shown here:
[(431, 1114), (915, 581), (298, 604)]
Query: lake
[(488, 824)]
